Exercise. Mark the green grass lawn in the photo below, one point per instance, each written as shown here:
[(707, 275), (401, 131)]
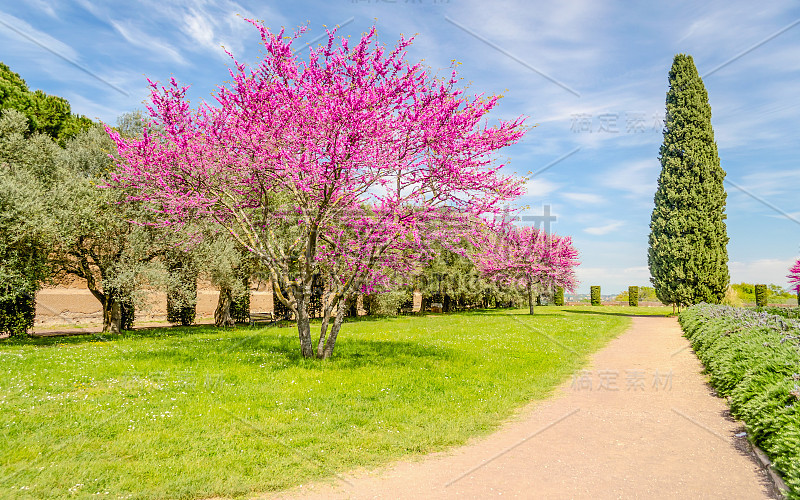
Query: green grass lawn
[(199, 412)]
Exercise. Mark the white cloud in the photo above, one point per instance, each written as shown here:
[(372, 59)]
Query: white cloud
[(540, 187), (601, 230), (761, 271), (767, 183), (41, 37), (612, 279), (154, 44), (212, 25), (45, 6), (637, 178), (200, 29), (586, 198)]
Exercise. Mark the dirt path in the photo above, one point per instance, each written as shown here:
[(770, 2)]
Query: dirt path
[(640, 422)]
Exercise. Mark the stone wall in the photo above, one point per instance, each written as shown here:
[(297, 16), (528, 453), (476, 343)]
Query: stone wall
[(76, 306)]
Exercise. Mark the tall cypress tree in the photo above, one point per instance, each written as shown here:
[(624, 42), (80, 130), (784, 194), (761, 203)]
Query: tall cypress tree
[(688, 257)]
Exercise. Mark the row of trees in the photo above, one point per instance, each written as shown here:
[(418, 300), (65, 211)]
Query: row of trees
[(643, 294), (354, 168), (55, 221), (46, 114), (354, 165)]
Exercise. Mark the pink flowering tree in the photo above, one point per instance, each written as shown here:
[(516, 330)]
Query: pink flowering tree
[(346, 165), (528, 258), (794, 279)]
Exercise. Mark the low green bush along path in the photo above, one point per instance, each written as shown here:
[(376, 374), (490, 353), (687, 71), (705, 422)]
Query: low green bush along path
[(753, 359), (199, 412)]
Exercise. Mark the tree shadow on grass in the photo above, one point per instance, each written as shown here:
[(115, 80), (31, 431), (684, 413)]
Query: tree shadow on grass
[(284, 352), (618, 313), (279, 347), (152, 332), (537, 314)]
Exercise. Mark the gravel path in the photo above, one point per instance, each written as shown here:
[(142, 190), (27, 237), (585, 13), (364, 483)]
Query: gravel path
[(639, 422)]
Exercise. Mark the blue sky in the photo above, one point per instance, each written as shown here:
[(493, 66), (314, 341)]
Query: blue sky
[(592, 77)]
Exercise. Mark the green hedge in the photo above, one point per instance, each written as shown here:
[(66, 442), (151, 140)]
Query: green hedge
[(240, 309), (761, 295), (558, 298), (753, 358), (595, 295), (786, 312), (127, 313), (17, 314), (633, 296), (178, 313), (182, 294)]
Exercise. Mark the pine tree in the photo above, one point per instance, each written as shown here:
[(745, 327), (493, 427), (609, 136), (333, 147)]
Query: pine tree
[(688, 258)]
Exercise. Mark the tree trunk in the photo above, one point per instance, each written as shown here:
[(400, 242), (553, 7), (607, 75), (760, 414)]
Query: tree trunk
[(304, 327), (337, 324), (112, 314), (222, 315), (530, 296), (323, 331)]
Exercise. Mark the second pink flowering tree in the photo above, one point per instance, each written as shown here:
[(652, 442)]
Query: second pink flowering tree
[(528, 258), (346, 165), (794, 279)]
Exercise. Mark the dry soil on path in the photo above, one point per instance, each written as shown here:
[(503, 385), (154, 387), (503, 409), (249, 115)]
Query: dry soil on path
[(639, 422)]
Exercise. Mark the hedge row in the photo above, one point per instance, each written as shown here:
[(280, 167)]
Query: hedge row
[(633, 296), (786, 312), (753, 358), (558, 298), (17, 314), (595, 295), (761, 295)]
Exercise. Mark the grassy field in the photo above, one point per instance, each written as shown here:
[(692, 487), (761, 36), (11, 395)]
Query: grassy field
[(200, 412)]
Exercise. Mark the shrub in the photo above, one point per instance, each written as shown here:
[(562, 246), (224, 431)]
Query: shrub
[(182, 292), (127, 312), (633, 296), (178, 313), (558, 299), (17, 313), (786, 312), (761, 295), (595, 294), (732, 298), (240, 308), (387, 303), (752, 357)]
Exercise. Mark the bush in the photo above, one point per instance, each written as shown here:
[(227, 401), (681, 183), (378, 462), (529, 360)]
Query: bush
[(387, 303), (127, 312), (182, 293), (595, 294), (732, 298), (761, 295), (633, 296), (178, 313), (17, 314), (786, 312), (240, 308), (752, 357), (558, 299), (747, 292)]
